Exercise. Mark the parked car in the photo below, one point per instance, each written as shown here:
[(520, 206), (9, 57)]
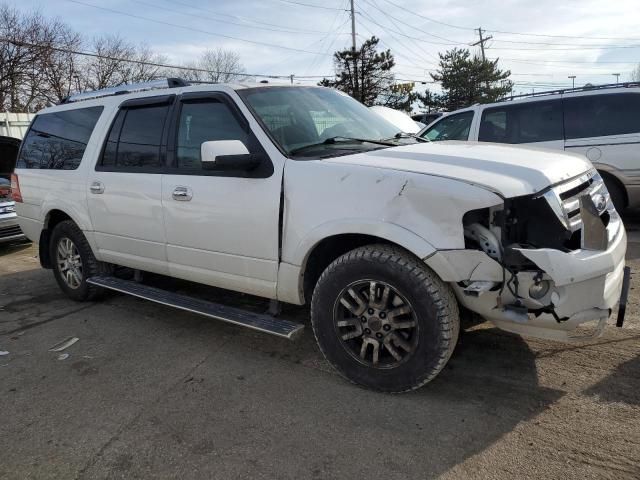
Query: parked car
[(400, 119), (303, 195), (426, 118), (9, 228), (602, 123)]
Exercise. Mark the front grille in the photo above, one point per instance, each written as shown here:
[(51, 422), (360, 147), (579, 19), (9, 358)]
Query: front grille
[(564, 199), (11, 231)]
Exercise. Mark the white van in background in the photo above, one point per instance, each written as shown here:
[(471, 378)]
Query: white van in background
[(602, 123)]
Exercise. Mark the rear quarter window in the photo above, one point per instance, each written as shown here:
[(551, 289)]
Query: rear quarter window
[(58, 140), (524, 123), (601, 115)]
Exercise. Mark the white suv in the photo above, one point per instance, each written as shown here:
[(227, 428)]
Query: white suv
[(602, 123), (303, 195)]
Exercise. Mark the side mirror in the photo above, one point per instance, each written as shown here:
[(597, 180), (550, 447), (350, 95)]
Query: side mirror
[(224, 155)]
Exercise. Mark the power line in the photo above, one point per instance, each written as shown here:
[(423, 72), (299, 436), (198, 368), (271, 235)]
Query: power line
[(227, 22), (390, 32), (128, 60), (237, 17), (310, 5), (460, 27), (192, 29), (387, 14)]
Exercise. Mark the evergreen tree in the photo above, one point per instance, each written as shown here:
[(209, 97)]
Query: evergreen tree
[(468, 80)]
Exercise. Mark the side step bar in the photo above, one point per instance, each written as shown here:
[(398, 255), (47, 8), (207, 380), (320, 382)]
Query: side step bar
[(256, 321)]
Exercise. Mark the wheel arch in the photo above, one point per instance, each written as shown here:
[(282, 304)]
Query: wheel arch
[(606, 174), (329, 242), (52, 218)]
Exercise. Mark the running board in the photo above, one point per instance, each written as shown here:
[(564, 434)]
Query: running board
[(256, 321)]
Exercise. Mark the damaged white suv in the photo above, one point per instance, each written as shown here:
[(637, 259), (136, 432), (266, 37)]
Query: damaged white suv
[(303, 195)]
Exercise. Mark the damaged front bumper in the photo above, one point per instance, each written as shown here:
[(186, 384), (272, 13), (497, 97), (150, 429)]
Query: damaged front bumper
[(583, 287)]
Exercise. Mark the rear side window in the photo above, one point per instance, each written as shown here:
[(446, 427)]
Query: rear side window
[(58, 140), (451, 127), (526, 123), (601, 115), (135, 139)]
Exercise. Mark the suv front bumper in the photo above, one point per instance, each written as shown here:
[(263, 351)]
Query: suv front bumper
[(9, 229), (584, 287)]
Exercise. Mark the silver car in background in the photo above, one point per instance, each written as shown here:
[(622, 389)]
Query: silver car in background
[(9, 229)]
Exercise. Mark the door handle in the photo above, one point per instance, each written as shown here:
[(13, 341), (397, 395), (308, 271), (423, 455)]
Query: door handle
[(97, 187), (182, 194)]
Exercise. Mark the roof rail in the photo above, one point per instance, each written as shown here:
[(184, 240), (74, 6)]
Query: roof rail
[(130, 88), (586, 88)]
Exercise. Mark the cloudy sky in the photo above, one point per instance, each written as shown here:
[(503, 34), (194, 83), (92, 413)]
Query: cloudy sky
[(542, 42)]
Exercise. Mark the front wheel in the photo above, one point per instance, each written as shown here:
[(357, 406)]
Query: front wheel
[(383, 319)]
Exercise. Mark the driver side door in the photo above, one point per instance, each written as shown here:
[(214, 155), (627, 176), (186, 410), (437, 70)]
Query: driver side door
[(221, 227)]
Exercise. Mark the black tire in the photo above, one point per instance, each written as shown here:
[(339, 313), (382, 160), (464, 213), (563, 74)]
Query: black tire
[(434, 311), (616, 193), (68, 230)]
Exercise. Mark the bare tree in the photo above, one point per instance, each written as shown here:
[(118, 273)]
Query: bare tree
[(635, 74), (118, 62), (222, 66), (22, 56)]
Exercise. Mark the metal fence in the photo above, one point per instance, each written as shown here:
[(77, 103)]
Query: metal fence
[(15, 124)]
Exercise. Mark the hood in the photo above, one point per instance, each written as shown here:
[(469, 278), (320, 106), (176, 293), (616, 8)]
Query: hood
[(506, 170)]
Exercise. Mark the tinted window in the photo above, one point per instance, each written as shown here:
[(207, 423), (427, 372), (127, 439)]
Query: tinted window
[(201, 122), (525, 123), (451, 127), (58, 140), (135, 138), (600, 115), (141, 137)]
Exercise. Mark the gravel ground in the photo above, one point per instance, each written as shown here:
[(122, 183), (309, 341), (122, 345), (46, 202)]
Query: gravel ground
[(151, 392)]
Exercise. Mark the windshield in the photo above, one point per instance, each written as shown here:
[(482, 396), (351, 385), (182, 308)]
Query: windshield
[(302, 119)]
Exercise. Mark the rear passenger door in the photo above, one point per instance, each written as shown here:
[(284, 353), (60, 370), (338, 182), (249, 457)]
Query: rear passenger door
[(222, 227), (536, 122), (125, 188), (605, 128)]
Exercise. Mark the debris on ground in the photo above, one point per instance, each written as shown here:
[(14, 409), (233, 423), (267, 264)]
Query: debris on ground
[(3, 352), (63, 356), (58, 347)]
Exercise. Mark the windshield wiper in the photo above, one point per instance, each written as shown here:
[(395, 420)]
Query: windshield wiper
[(400, 135), (336, 139)]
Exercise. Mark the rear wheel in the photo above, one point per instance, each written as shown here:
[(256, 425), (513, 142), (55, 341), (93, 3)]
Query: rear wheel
[(616, 193), (383, 319), (73, 262)]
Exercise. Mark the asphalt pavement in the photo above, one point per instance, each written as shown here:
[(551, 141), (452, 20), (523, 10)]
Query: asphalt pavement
[(151, 392)]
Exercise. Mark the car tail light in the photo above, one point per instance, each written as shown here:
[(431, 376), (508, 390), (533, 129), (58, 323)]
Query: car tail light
[(15, 188)]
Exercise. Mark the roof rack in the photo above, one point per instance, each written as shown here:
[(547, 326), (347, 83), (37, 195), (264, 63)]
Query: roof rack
[(571, 90), (130, 88)]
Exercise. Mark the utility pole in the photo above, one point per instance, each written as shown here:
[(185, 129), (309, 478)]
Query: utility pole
[(573, 80), (481, 42), (356, 87), (617, 75)]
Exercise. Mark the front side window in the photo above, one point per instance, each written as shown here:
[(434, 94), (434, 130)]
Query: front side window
[(307, 120), (58, 140), (601, 115), (135, 138), (202, 121), (530, 122), (451, 127)]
